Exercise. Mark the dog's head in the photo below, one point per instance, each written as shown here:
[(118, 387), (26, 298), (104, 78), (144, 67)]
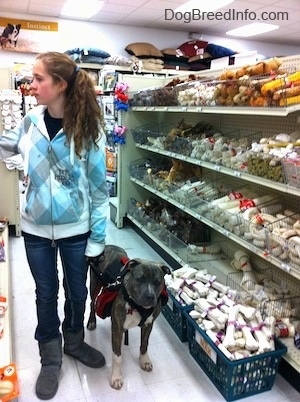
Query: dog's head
[(11, 31), (144, 281)]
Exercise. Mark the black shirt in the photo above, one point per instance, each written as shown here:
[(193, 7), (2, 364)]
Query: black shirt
[(53, 124)]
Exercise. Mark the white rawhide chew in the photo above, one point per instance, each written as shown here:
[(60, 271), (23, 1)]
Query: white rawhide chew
[(250, 343), (229, 340), (212, 313), (264, 345), (219, 345)]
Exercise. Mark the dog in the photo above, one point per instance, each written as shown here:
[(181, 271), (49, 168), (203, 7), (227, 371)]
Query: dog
[(138, 290), (10, 35)]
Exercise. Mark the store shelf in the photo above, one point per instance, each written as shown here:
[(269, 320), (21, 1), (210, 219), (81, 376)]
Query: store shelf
[(222, 169), (221, 268), (236, 110), (6, 352), (238, 240)]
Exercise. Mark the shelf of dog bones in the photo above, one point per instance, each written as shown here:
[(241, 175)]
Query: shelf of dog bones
[(268, 234), (223, 265), (207, 255), (156, 176)]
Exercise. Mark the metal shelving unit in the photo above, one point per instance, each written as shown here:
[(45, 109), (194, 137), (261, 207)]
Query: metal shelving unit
[(268, 121), (6, 349)]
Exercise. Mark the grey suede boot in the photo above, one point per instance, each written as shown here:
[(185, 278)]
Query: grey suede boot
[(75, 346), (51, 359)]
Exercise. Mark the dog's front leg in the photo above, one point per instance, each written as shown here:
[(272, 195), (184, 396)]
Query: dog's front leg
[(116, 381), (145, 361)]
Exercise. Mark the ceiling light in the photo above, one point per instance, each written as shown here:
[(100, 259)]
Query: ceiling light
[(203, 5), (256, 28), (81, 9)]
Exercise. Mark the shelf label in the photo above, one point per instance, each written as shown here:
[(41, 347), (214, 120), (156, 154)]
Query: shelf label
[(199, 109), (236, 173), (206, 347), (217, 168), (285, 267)]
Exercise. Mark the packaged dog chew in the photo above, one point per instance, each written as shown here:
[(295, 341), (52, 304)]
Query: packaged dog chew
[(9, 386)]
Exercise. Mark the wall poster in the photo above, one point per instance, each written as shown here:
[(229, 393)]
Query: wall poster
[(27, 36)]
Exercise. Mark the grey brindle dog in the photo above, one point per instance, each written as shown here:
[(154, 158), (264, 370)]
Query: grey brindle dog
[(140, 292)]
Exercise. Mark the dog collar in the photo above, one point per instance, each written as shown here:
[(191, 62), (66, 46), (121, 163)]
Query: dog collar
[(144, 312)]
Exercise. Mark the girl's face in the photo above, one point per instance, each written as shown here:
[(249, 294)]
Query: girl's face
[(46, 91)]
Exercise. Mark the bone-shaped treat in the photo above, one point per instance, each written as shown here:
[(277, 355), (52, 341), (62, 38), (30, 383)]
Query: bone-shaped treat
[(250, 343), (219, 345), (229, 340), (207, 278), (264, 345)]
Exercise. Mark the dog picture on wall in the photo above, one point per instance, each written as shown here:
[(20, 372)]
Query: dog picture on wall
[(10, 35), (27, 36)]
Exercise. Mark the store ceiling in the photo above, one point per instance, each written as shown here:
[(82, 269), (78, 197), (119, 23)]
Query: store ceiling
[(151, 14)]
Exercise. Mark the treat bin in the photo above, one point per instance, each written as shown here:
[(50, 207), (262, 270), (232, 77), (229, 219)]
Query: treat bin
[(233, 379), (173, 313)]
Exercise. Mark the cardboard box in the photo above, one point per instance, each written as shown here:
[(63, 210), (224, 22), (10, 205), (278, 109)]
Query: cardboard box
[(111, 160)]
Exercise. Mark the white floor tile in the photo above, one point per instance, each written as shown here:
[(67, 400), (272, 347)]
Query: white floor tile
[(176, 377)]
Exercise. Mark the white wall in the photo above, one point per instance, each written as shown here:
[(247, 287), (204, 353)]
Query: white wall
[(114, 38)]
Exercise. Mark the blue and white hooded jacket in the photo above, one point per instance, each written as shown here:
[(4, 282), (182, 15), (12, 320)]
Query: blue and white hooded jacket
[(66, 195)]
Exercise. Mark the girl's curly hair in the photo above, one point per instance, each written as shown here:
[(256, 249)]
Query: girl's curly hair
[(83, 117)]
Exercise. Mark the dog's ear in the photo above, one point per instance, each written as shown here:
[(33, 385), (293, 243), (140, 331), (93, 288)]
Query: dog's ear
[(166, 270), (10, 26), (130, 264), (19, 26)]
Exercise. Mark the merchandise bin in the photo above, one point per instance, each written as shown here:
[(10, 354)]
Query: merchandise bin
[(146, 169), (291, 171), (233, 379), (253, 228), (149, 133), (284, 305), (195, 253), (173, 313), (281, 240), (266, 166), (196, 93), (162, 96)]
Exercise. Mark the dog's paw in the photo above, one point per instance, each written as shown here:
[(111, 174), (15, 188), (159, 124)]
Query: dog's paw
[(145, 362), (116, 382)]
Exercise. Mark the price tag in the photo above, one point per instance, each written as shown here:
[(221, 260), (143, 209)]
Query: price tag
[(199, 109), (236, 174), (184, 109), (217, 168), (285, 267), (206, 347)]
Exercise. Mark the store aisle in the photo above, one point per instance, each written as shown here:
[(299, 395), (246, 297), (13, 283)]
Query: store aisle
[(176, 377)]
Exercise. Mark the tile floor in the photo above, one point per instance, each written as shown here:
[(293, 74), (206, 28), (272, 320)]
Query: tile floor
[(176, 376)]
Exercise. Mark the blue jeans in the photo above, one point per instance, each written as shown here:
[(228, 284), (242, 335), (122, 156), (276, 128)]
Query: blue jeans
[(42, 258)]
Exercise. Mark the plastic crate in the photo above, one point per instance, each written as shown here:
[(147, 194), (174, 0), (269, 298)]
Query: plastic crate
[(173, 313), (233, 379)]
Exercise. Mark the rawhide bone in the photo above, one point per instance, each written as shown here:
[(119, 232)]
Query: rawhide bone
[(210, 279)]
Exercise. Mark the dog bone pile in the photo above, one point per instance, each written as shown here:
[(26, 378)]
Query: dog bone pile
[(238, 330)]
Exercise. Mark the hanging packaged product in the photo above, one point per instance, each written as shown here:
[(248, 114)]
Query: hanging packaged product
[(9, 387)]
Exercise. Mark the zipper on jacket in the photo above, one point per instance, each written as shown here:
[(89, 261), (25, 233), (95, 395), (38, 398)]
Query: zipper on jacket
[(50, 187)]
